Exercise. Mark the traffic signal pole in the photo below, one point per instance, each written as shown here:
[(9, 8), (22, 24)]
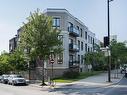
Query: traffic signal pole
[(109, 58)]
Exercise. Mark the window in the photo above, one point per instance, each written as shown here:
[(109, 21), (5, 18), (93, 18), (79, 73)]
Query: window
[(93, 41), (88, 39), (70, 27), (91, 49), (81, 59), (79, 44), (86, 47), (82, 46), (70, 60), (70, 41), (56, 22), (60, 59), (77, 27), (81, 33), (86, 35)]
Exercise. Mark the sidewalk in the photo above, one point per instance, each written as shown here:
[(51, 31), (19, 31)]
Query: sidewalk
[(93, 81)]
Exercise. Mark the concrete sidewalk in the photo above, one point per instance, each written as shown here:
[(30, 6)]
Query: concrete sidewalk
[(93, 81)]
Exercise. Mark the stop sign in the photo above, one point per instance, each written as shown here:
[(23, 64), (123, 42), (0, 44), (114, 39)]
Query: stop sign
[(52, 61)]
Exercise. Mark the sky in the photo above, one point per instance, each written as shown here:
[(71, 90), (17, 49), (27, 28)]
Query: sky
[(93, 13)]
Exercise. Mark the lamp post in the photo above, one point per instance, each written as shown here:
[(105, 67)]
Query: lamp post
[(109, 58)]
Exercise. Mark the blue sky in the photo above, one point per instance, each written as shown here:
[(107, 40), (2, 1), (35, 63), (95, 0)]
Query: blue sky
[(93, 13)]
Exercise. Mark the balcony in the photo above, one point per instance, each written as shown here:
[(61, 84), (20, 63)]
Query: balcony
[(73, 64), (73, 47), (73, 31)]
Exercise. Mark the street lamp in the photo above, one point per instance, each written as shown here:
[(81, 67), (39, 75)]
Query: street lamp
[(109, 58)]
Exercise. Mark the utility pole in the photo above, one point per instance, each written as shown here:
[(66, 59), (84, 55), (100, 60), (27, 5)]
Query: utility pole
[(109, 56)]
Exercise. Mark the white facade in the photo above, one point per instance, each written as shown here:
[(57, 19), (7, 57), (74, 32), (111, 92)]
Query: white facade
[(77, 38)]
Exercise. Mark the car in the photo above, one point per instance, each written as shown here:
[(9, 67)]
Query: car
[(16, 79), (122, 70), (4, 78)]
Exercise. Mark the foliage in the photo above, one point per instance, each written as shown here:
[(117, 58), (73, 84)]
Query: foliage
[(39, 36), (12, 62), (118, 52), (17, 60), (96, 59), (71, 74), (5, 67)]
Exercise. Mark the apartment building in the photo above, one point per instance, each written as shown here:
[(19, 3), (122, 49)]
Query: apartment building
[(77, 40), (12, 44)]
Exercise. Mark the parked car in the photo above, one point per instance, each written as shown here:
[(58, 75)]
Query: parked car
[(16, 79), (122, 70), (4, 78)]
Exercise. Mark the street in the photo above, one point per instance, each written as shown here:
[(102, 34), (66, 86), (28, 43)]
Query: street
[(118, 89), (22, 90)]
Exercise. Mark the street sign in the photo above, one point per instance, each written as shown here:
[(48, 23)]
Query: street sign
[(52, 61)]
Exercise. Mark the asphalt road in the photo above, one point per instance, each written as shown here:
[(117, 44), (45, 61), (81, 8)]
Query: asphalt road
[(118, 89), (22, 90)]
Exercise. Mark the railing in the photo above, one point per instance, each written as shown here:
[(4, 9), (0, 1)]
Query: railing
[(73, 31), (73, 47), (74, 63)]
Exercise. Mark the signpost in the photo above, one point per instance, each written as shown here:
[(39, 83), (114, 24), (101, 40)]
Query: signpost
[(52, 61)]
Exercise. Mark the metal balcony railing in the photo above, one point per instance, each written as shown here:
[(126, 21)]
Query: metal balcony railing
[(73, 31), (73, 47)]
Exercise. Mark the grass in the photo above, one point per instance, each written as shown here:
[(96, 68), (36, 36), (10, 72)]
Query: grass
[(81, 76)]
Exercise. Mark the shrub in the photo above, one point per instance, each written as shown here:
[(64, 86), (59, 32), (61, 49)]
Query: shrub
[(71, 74)]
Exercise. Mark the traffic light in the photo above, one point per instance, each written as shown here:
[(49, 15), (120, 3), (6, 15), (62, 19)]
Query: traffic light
[(106, 41)]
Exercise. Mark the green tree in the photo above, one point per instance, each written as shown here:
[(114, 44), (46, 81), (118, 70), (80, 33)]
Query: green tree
[(40, 37), (17, 60), (118, 52), (5, 67), (96, 59)]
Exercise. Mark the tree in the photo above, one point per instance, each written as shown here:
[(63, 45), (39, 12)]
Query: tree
[(5, 67), (40, 38), (118, 52), (96, 59), (17, 60)]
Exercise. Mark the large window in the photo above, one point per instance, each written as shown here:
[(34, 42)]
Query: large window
[(86, 47), (81, 46), (88, 39), (70, 41), (86, 35), (56, 22), (70, 27), (81, 33), (60, 58), (81, 59)]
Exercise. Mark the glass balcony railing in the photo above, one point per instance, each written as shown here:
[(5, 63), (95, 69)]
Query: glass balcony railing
[(73, 47), (73, 31)]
